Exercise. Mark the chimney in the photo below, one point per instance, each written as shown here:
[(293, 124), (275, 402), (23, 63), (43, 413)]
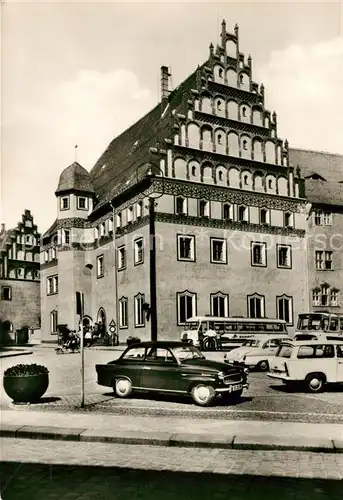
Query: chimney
[(165, 91), (3, 227)]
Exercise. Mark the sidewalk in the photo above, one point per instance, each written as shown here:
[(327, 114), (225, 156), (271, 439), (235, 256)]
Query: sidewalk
[(169, 431), (7, 352)]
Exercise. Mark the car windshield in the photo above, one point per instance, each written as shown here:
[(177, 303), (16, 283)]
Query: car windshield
[(251, 343), (187, 352), (192, 325)]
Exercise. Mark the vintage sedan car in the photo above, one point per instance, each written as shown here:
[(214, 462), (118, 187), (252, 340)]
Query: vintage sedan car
[(172, 367), (256, 352)]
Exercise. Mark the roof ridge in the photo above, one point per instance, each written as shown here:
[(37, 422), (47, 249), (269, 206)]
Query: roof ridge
[(316, 151)]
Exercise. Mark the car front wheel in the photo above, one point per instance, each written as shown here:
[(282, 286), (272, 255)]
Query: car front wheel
[(203, 395), (315, 382), (263, 366), (123, 387)]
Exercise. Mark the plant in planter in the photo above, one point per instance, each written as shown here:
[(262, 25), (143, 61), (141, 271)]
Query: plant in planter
[(26, 383), (132, 340)]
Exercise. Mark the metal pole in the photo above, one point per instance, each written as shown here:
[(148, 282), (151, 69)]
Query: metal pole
[(114, 214), (152, 243), (82, 355)]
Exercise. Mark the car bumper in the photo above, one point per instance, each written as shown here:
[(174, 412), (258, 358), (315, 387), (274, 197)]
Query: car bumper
[(279, 376), (233, 387), (242, 364)]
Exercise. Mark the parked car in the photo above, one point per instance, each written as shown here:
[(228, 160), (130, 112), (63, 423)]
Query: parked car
[(312, 363), (256, 352), (172, 367)]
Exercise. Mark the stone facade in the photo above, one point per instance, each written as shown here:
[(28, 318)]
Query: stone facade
[(19, 278)]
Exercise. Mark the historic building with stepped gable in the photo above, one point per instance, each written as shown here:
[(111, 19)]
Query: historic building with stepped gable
[(20, 306), (230, 213)]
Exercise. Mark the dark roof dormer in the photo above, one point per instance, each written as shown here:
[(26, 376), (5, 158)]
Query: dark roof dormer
[(75, 178)]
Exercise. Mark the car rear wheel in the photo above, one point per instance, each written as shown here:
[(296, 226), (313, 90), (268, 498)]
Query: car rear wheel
[(315, 382), (203, 395), (263, 366), (123, 387)]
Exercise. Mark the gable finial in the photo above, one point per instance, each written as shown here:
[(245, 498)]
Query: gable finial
[(75, 148)]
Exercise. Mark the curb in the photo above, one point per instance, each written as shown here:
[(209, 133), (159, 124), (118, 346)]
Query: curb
[(14, 353), (181, 440)]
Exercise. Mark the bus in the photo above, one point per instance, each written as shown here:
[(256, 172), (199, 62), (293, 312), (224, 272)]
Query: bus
[(314, 325), (216, 333)]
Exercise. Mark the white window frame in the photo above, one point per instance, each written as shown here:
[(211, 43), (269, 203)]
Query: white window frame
[(138, 251), (184, 205), (192, 247), (62, 202), (285, 299), (334, 295), (266, 211), (119, 221), (55, 284), (224, 250), (121, 257), (255, 297), (52, 285), (204, 208), (79, 198), (215, 310), (289, 222), (263, 247), (130, 214), (327, 218), (324, 292), (230, 207), (53, 321), (66, 236), (245, 213), (46, 255), (316, 297), (123, 313), (139, 209), (9, 289), (100, 266), (110, 224), (288, 264), (179, 297), (139, 301)]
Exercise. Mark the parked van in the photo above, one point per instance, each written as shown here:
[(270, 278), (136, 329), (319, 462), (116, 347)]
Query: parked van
[(312, 363)]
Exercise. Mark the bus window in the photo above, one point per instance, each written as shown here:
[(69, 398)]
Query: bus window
[(341, 324), (333, 325)]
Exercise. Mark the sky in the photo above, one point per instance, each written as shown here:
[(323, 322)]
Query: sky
[(79, 73)]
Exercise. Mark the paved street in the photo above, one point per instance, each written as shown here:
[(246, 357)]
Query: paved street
[(53, 470), (265, 399)]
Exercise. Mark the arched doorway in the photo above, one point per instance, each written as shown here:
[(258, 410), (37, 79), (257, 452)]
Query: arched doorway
[(87, 323), (101, 320)]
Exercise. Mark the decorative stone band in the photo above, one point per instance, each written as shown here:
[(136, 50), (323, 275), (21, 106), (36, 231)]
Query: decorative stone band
[(232, 124), (225, 224)]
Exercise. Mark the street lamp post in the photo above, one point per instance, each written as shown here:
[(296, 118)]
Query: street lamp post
[(152, 248)]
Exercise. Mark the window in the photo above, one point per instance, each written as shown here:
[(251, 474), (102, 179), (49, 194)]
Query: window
[(96, 233), (139, 209), (258, 254), (219, 304), (180, 205), (186, 306), (264, 216), (65, 203), (316, 351), (138, 251), (53, 253), (325, 295), (218, 251), (53, 321), (244, 111), (219, 105), (103, 228), (130, 214), (284, 256), (287, 219), (100, 266), (242, 214), (82, 203), (323, 261), (121, 257), (284, 308), (322, 218), (227, 211), (110, 224), (139, 310), (52, 285), (135, 353), (123, 316), (204, 208), (119, 219), (6, 293), (66, 234), (245, 146), (185, 247), (334, 297), (220, 175), (256, 306), (316, 297), (46, 256)]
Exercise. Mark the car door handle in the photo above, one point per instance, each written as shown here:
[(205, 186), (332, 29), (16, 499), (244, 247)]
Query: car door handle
[(146, 368)]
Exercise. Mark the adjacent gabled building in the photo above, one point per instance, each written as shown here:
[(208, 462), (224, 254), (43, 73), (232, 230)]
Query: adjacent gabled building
[(20, 306), (229, 217)]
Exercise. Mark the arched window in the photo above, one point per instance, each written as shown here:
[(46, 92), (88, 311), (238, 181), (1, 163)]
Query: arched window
[(219, 304), (245, 144)]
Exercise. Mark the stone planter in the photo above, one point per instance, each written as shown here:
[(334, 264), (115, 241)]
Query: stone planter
[(26, 388)]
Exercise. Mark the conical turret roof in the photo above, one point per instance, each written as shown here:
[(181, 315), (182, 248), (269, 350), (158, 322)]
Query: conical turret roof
[(74, 178)]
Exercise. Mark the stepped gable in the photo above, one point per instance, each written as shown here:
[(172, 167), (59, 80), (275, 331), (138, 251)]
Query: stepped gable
[(74, 178)]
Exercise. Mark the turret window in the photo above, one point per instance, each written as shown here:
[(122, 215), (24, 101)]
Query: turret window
[(65, 203), (245, 144), (227, 211), (204, 208), (244, 111), (82, 203), (219, 138), (180, 205), (66, 234)]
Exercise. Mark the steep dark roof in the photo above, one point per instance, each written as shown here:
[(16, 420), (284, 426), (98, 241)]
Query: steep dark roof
[(74, 178), (118, 167), (327, 165), (323, 173), (52, 229), (5, 237)]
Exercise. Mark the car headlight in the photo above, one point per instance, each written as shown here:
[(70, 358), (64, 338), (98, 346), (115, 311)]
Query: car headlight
[(221, 375)]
